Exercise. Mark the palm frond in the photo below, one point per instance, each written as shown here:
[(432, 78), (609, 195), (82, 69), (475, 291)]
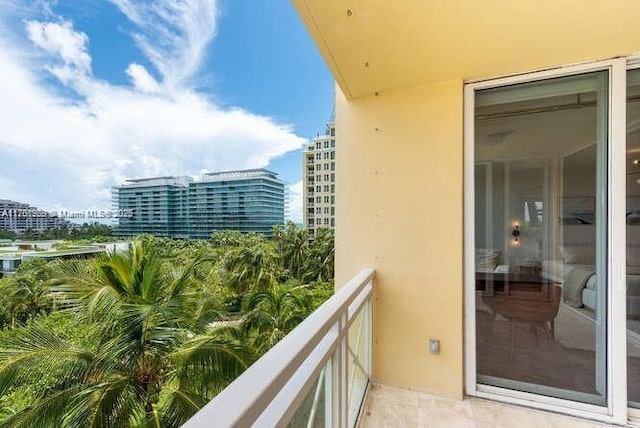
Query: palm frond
[(210, 362), (46, 412), (181, 404), (37, 349)]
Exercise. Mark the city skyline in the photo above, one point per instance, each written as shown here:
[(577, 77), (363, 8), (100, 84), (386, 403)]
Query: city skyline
[(100, 92)]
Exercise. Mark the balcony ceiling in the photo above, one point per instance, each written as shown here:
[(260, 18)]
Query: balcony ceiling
[(374, 45)]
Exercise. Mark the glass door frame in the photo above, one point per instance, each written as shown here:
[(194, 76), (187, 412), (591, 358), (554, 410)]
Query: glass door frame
[(633, 63), (616, 410)]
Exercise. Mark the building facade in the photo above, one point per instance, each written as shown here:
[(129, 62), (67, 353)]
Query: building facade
[(319, 172), (18, 217), (181, 207)]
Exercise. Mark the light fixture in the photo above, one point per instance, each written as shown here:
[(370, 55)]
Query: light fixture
[(636, 161), (516, 233)]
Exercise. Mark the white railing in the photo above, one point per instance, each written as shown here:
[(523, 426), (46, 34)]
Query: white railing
[(316, 376)]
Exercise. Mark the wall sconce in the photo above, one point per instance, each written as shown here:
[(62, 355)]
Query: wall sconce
[(516, 233)]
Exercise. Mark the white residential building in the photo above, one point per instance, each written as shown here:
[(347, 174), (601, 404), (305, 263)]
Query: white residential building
[(319, 178)]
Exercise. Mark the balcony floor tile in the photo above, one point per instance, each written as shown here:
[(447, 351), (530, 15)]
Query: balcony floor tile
[(394, 407)]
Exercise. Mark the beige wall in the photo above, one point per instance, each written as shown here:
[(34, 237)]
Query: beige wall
[(399, 210)]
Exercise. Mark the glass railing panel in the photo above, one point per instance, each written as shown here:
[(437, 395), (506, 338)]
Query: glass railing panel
[(358, 362), (314, 411)]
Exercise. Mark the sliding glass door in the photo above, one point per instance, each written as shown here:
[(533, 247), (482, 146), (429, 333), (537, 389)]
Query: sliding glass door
[(632, 278), (540, 236)]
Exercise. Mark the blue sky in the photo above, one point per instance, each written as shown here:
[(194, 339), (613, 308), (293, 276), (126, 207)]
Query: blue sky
[(99, 91)]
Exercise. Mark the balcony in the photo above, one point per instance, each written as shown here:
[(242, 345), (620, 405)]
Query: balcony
[(320, 375), (316, 376)]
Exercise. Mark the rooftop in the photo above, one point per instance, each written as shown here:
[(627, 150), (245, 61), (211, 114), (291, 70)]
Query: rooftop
[(238, 174), (183, 180)]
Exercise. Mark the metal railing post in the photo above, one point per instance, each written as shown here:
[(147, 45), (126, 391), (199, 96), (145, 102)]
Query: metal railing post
[(343, 350)]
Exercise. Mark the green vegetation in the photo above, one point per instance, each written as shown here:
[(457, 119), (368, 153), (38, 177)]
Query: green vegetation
[(91, 231), (147, 337)]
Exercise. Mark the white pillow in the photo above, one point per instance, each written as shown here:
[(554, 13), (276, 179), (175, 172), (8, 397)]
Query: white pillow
[(578, 255), (487, 259)]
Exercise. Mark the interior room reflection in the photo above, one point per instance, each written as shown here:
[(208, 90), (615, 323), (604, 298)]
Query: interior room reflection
[(540, 308)]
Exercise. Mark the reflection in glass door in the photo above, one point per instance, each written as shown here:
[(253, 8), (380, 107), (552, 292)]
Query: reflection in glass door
[(540, 237), (633, 238)]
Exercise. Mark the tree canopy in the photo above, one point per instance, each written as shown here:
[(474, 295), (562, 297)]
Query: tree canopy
[(148, 336)]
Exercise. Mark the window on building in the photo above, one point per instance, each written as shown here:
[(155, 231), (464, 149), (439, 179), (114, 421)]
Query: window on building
[(326, 222), (333, 210), (326, 188), (326, 210), (333, 178), (318, 221), (326, 199), (326, 177), (333, 132), (333, 188), (318, 189), (318, 210), (318, 145), (326, 167), (333, 222), (326, 144), (333, 200), (326, 155), (333, 166), (333, 142), (333, 155), (318, 199), (318, 167), (318, 156), (319, 178)]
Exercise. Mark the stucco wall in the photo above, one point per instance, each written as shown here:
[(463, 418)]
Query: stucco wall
[(399, 210)]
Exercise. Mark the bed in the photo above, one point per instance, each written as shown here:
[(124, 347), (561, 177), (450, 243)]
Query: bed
[(574, 267)]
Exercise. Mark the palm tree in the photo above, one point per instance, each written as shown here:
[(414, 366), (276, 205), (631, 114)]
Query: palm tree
[(320, 264), (24, 294), (293, 246), (156, 359), (273, 313), (251, 267)]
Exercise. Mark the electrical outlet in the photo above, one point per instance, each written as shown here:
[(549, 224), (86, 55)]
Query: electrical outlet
[(434, 346)]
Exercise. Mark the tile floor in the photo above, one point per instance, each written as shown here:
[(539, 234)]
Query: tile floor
[(393, 407)]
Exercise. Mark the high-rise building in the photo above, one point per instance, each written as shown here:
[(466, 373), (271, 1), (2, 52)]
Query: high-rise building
[(153, 205), (319, 178), (18, 217), (181, 207)]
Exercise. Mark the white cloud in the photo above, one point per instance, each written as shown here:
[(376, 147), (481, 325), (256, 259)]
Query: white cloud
[(295, 202), (141, 78), (61, 150), (185, 28), (65, 44), (61, 39)]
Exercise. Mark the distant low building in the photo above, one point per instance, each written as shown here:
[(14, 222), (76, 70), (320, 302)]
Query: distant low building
[(246, 201), (19, 217), (12, 257)]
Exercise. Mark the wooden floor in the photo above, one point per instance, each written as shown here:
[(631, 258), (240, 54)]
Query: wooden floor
[(536, 358)]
